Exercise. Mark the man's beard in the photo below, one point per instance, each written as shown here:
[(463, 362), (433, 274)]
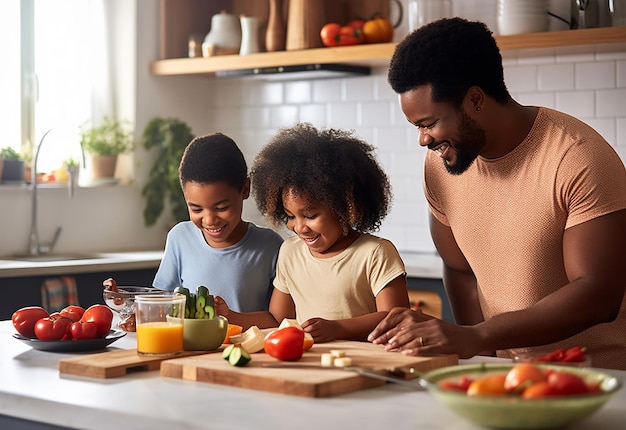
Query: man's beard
[(471, 141)]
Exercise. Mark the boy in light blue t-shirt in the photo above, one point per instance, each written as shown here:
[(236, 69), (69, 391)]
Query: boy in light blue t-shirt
[(233, 258)]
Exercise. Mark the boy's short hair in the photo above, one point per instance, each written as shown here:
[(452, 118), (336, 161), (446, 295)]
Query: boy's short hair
[(213, 158)]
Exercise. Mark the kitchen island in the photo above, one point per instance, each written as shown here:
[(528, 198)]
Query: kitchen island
[(32, 392)]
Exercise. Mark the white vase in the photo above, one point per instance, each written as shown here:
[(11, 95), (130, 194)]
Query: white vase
[(224, 37), (249, 35)]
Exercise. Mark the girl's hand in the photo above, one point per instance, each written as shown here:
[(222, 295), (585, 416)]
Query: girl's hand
[(221, 307), (322, 330)]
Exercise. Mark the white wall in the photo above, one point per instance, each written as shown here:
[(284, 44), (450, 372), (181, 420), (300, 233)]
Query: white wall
[(589, 85)]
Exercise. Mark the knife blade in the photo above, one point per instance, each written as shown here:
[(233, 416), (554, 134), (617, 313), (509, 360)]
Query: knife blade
[(382, 374)]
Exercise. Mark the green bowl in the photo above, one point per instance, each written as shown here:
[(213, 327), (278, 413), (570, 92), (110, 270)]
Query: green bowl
[(514, 412), (204, 335)]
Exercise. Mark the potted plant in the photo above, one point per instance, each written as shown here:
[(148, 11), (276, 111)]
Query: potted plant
[(104, 143), (12, 169), (170, 137)]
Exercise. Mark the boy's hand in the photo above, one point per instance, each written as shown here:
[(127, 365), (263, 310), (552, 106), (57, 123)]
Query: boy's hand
[(221, 307)]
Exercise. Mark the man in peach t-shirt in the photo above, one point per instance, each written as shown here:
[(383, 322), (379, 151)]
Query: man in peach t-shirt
[(528, 210)]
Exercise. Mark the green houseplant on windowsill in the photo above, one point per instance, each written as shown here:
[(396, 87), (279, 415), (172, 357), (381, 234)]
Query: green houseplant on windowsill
[(12, 169), (170, 137), (104, 143)]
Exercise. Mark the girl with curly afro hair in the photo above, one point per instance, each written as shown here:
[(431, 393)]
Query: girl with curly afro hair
[(334, 277)]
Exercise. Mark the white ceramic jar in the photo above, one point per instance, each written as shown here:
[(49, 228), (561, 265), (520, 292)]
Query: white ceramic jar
[(224, 37), (522, 16)]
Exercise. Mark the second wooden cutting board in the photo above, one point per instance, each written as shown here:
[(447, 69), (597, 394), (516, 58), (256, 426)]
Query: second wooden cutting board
[(301, 381)]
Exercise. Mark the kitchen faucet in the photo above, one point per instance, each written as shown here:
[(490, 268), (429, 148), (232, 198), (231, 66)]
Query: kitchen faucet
[(36, 247)]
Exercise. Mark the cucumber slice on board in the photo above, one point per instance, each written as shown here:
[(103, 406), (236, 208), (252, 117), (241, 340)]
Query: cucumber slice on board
[(239, 356)]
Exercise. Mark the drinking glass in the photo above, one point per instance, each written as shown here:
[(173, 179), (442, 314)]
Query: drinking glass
[(160, 324)]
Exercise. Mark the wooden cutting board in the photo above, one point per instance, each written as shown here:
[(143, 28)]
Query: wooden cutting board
[(304, 382), (113, 364)]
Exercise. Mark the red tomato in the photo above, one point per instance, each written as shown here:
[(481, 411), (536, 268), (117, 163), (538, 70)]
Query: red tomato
[(567, 383), (487, 385), (24, 320), (574, 355), (73, 312), (285, 343), (555, 355), (523, 375), (54, 327), (330, 33), (357, 23), (84, 330), (101, 315), (461, 385), (539, 390), (333, 34)]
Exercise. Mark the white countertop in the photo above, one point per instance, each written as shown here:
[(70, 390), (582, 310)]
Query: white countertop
[(418, 265), (31, 388)]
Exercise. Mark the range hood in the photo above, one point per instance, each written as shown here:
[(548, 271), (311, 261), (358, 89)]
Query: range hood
[(304, 71)]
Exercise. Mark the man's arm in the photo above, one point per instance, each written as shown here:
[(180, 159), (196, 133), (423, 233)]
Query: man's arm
[(458, 278), (593, 255)]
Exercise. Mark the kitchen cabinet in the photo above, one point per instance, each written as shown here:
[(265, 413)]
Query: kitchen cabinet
[(419, 289), (182, 18), (23, 291)]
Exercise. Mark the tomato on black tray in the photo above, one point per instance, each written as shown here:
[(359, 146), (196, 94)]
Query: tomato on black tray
[(84, 345)]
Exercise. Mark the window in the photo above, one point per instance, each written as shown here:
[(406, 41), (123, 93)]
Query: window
[(57, 76)]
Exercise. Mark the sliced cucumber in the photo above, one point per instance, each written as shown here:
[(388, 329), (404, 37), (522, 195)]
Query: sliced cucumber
[(227, 351), (239, 356)]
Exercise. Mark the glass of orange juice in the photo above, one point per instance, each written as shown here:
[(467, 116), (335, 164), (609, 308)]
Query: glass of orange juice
[(160, 324)]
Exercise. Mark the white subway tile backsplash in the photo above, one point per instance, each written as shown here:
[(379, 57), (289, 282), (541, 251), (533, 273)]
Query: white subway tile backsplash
[(537, 99), (376, 114), (556, 77), (418, 239), (342, 115), (521, 78), (359, 89), (621, 74), (298, 92), (313, 113), (283, 116), (382, 90), (269, 93), (253, 117), (604, 126), (620, 139), (611, 103), (327, 90), (580, 104), (595, 75)]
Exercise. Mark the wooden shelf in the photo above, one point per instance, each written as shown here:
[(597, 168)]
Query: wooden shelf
[(375, 55)]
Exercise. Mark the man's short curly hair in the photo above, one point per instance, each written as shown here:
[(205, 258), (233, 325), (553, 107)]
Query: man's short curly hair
[(213, 158), (451, 54), (332, 167)]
